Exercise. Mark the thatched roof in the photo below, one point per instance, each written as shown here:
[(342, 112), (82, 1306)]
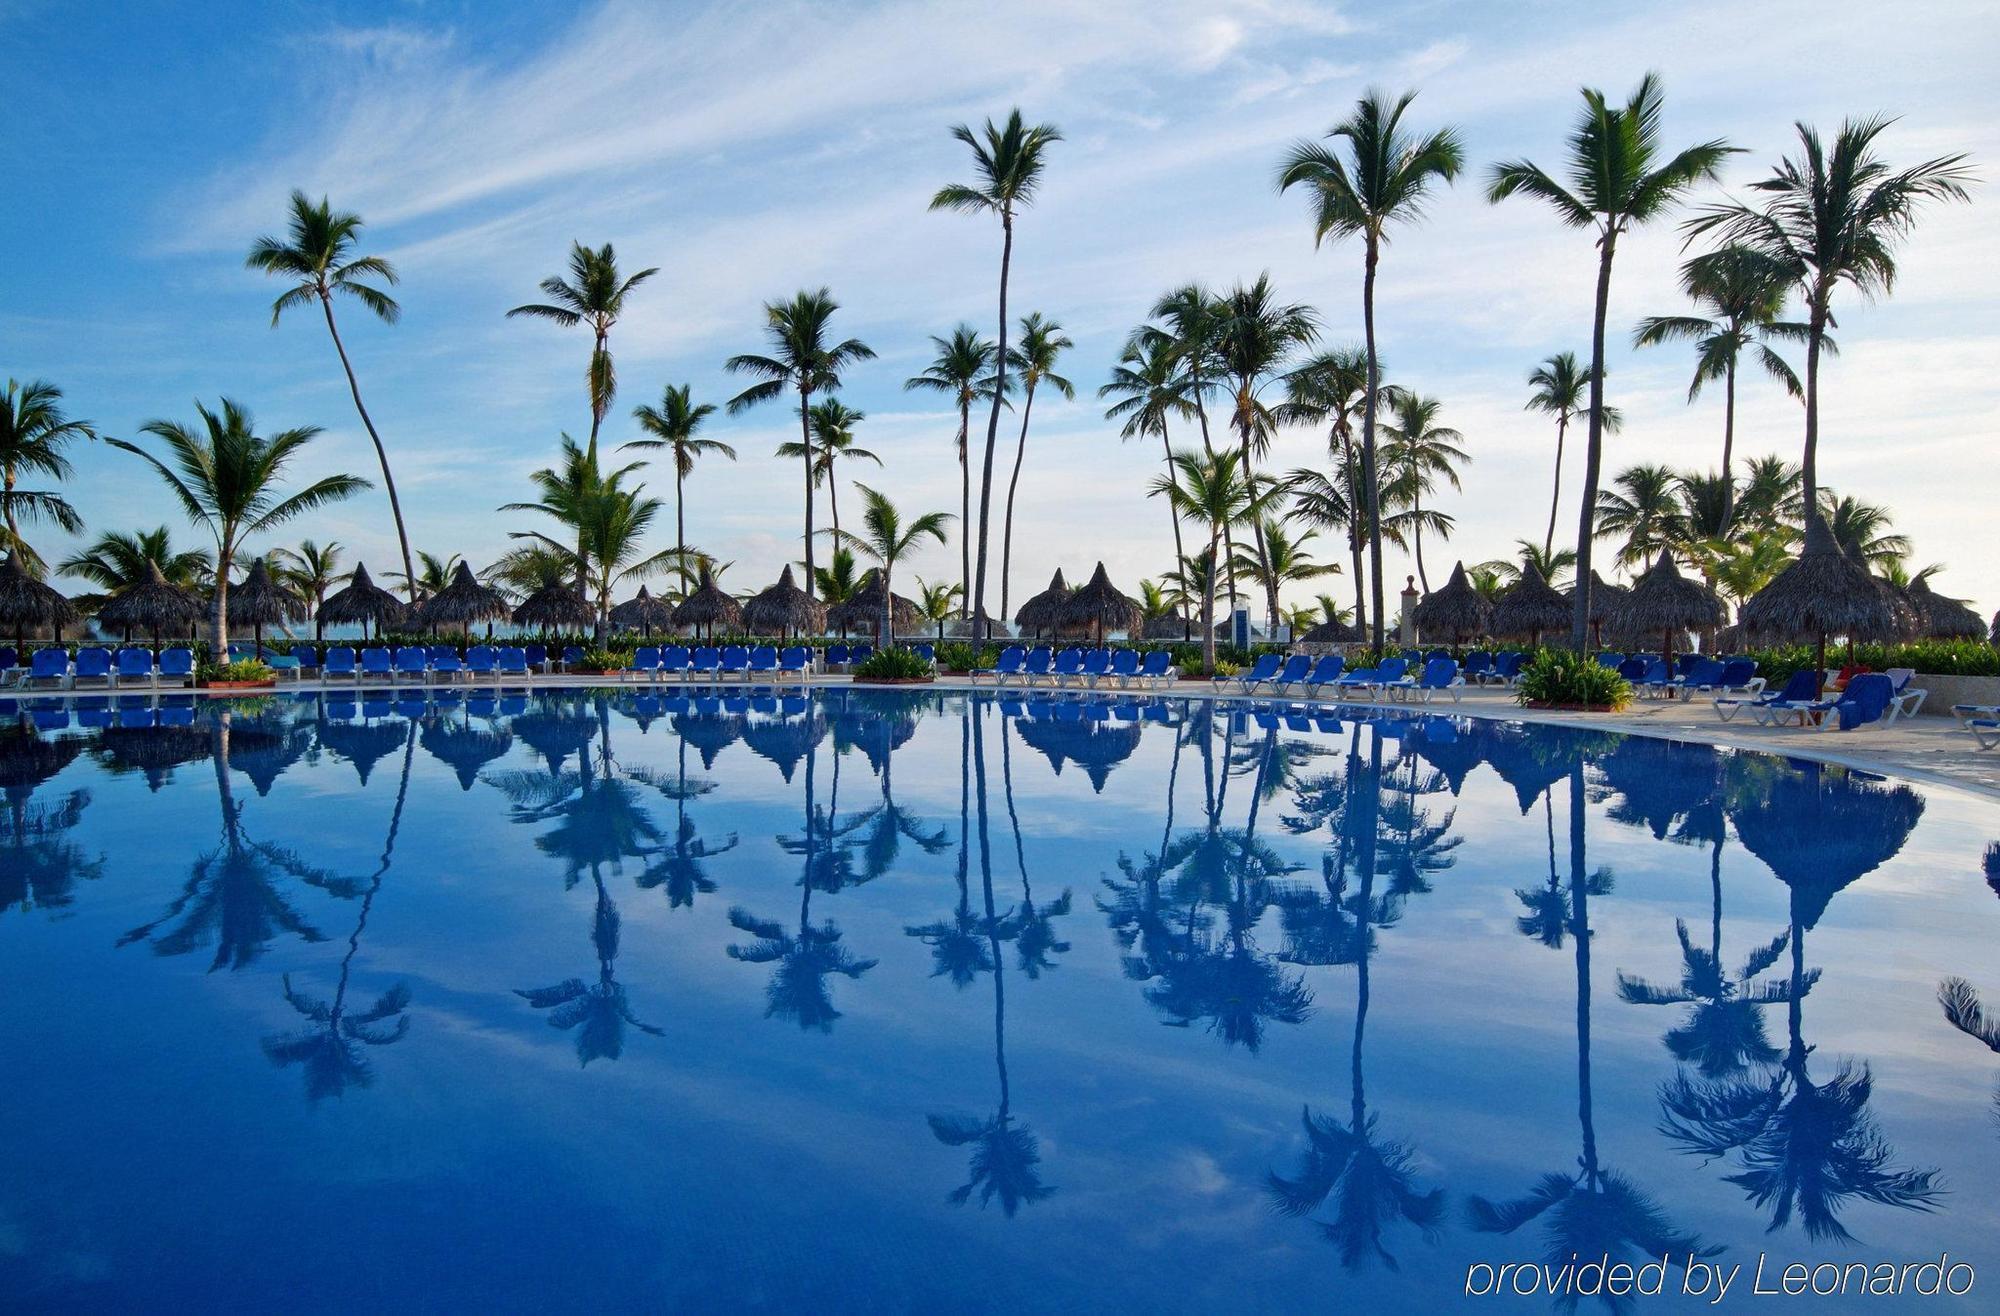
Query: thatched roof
[(463, 602), (261, 601), (1100, 607), (554, 606), (25, 601), (1331, 631), (708, 606), (1823, 592), (1940, 618), (1530, 606), (784, 608), (1456, 610), (1171, 627), (362, 601), (28, 761), (1043, 612), (863, 609), (1665, 600), (1604, 599), (154, 751), (153, 604), (643, 613)]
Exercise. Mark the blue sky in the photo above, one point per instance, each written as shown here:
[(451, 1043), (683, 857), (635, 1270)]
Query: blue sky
[(751, 151)]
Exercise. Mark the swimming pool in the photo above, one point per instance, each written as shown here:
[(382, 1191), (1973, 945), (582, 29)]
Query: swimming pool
[(931, 1000)]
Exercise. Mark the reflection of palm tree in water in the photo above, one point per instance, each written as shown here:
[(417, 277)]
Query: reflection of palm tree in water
[(39, 865), (1037, 942), (1961, 1002), (1593, 1211), (1006, 1155), (1372, 1179), (330, 1050), (958, 942), (678, 868)]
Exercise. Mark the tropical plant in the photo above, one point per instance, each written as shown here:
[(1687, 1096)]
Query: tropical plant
[(964, 370), (1621, 182), (833, 423), (1151, 383), (1327, 389), (118, 559), (433, 574), (1008, 163), (938, 603), (227, 478), (895, 665), (1830, 219), (610, 522), (804, 360), (1561, 386), (673, 426), (593, 295), (1419, 454), (311, 571), (1042, 343), (1213, 491), (1287, 559), (565, 493), (1385, 179), (837, 581), (1554, 567), (33, 433), (1554, 678), (887, 540), (1862, 529), (317, 255), (1642, 506)]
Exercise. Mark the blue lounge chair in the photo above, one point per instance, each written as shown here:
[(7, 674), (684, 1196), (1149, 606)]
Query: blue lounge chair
[(1038, 664), (93, 663), (377, 665), (481, 660), (860, 654), (706, 661), (1701, 675), (1864, 699), (836, 655), (645, 663), (674, 662), (537, 656), (1392, 677), (735, 660), (1008, 664), (412, 661), (176, 665), (1260, 671), (1803, 687), (1736, 676), (135, 666), (763, 661), (445, 661), (1067, 665), (1658, 679), (1906, 699), (1355, 678), (1095, 667), (1324, 673), (339, 664), (1985, 730), (927, 652), (795, 661), (1124, 666), (1440, 676), (48, 667), (308, 659), (1634, 669), (1296, 669), (512, 660), (1157, 669), (1611, 660), (1477, 664), (572, 656)]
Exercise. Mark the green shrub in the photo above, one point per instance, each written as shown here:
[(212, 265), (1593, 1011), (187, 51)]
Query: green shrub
[(244, 669), (1554, 676), (895, 664), (1939, 657), (607, 660), (958, 656)]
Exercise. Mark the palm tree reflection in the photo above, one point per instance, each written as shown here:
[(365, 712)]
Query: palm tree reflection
[(39, 864)]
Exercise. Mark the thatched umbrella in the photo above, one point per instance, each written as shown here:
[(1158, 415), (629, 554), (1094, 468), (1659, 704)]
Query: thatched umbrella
[(1042, 612), (362, 601), (863, 611), (708, 605), (1604, 600), (1457, 610), (1099, 606), (783, 609), (643, 613), (463, 602), (1940, 618), (1664, 600), (1823, 592), (262, 601), (1331, 631), (1530, 606), (154, 604), (26, 602), (553, 607), (1170, 627)]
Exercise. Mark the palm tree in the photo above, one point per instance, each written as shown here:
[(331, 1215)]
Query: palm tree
[(33, 433), (593, 295), (1327, 389), (888, 540), (118, 559), (1385, 180), (1831, 220), (433, 574), (564, 493), (1772, 495), (611, 523), (673, 425), (1287, 560), (1151, 383), (1008, 162), (317, 256), (1862, 530), (1211, 490), (1042, 341), (938, 603), (1421, 452), (1560, 385), (1254, 337), (1620, 183), (226, 477), (1963, 1009), (837, 581), (965, 371), (1642, 507), (804, 359), (311, 571), (833, 423)]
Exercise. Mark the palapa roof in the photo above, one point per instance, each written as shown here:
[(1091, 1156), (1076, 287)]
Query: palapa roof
[(362, 600), (1822, 592), (1097, 605), (554, 606), (708, 605), (1042, 612), (1940, 618), (1665, 600), (27, 601), (784, 607), (463, 601), (1531, 605), (642, 612), (863, 609), (1456, 609), (1095, 747), (465, 747), (785, 740), (1604, 598), (261, 601), (1171, 627), (154, 603), (1331, 631)]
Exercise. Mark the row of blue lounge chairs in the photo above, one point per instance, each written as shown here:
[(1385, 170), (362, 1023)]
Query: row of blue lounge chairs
[(678, 662), (95, 665), (1392, 678), (1868, 698), (1089, 668)]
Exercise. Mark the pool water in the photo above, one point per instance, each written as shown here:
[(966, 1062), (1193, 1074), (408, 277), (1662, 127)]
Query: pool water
[(921, 1000)]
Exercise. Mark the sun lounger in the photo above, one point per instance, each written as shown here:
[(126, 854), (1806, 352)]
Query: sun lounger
[(1324, 673), (1802, 687), (1354, 678), (1906, 699), (1967, 714), (377, 665), (1506, 669), (176, 665), (512, 660), (734, 661), (572, 656), (836, 656), (763, 661), (1864, 700), (1067, 665), (1440, 676), (860, 654), (1095, 666), (795, 662), (481, 660), (645, 663), (536, 656), (1477, 664), (1391, 678), (706, 661), (1985, 730), (1157, 669), (1038, 664), (135, 667), (92, 664), (445, 662), (339, 665), (412, 662), (1260, 671), (1292, 675), (673, 662), (1124, 666), (1008, 664), (1611, 660), (48, 667)]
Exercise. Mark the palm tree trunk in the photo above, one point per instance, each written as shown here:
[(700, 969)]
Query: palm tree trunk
[(1354, 533), (1180, 553), (992, 434), (1417, 524), (833, 496), (1728, 447), (964, 504), (1257, 524), (1371, 491), (218, 608), (1556, 495), (1208, 606), (381, 453), (1208, 446), (1579, 884), (886, 635), (1593, 450), (1007, 533), (805, 440), (1809, 467), (680, 526)]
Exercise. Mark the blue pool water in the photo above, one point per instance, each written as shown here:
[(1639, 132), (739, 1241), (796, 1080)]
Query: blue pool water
[(935, 1002)]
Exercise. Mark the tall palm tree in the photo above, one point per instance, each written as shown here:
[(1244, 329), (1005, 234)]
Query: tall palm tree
[(1152, 385), (1287, 559), (1008, 163), (966, 371), (311, 570), (1042, 342), (227, 478), (1190, 315), (593, 295), (33, 433), (317, 255), (1621, 182), (1862, 530), (433, 574), (1560, 385), (837, 581), (1742, 292), (118, 559), (1326, 389), (833, 423), (1422, 453), (1831, 219), (1254, 339), (673, 426), (1213, 491), (1386, 179), (610, 523), (1642, 507), (563, 493), (888, 539), (805, 360), (938, 603)]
